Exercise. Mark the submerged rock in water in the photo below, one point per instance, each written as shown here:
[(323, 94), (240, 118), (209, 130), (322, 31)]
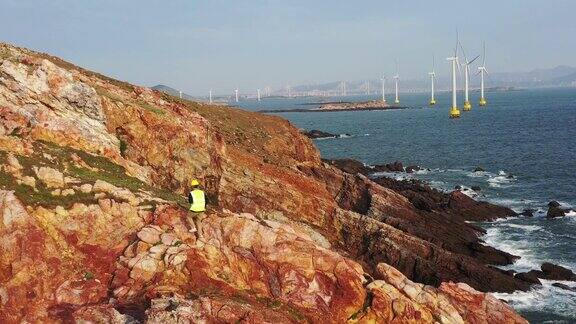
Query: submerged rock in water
[(412, 168), (315, 134), (555, 210), (564, 286), (528, 212), (479, 169)]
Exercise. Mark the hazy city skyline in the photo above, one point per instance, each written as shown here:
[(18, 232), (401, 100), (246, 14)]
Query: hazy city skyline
[(221, 45)]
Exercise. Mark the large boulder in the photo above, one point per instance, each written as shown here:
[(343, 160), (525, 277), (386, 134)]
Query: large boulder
[(555, 272), (555, 210)]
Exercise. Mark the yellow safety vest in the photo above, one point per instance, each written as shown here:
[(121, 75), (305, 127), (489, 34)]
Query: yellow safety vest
[(198, 201)]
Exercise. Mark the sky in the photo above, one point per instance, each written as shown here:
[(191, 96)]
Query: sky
[(196, 46)]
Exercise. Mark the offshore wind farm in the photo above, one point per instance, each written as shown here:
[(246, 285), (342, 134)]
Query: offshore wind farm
[(459, 69)]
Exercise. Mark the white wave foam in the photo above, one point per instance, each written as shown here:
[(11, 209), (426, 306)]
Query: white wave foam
[(564, 204), (528, 228), (519, 205), (437, 183), (528, 261), (499, 181), (477, 174), (394, 175), (571, 213), (469, 192), (545, 298), (336, 137)]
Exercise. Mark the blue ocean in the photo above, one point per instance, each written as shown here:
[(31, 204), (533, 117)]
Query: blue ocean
[(525, 140)]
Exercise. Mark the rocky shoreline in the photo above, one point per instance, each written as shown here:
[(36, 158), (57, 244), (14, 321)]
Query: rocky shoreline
[(364, 105), (340, 106), (460, 206), (95, 228)]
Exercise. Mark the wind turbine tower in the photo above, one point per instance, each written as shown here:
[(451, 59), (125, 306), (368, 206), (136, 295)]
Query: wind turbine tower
[(258, 90), (236, 94), (454, 111), (467, 104), (180, 94), (210, 96), (383, 89), (396, 77), (432, 77), (482, 71), (343, 88)]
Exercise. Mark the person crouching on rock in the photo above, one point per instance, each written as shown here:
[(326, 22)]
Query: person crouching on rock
[(197, 201)]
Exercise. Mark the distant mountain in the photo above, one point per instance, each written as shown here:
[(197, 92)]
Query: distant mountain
[(171, 91), (559, 76), (568, 80)]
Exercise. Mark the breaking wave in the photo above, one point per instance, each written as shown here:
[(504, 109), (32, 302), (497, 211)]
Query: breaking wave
[(545, 298)]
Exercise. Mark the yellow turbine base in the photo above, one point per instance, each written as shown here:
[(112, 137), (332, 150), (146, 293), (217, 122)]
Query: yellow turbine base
[(397, 101), (483, 102), (432, 102), (454, 112), (467, 106)]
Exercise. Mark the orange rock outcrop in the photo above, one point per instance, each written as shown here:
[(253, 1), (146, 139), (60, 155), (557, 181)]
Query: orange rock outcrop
[(94, 226)]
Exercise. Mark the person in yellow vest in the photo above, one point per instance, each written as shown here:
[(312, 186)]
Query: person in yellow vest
[(197, 201)]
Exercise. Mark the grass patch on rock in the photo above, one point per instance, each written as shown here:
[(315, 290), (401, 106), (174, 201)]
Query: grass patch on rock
[(59, 157)]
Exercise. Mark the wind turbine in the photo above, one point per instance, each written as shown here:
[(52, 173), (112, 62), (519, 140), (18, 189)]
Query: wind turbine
[(258, 90), (383, 89), (482, 70), (467, 104), (432, 77), (236, 93), (396, 77), (454, 111), (210, 96)]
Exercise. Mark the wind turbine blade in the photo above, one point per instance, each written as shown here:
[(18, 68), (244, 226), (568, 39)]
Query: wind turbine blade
[(457, 42), (483, 53), (474, 59), (463, 53), (458, 64)]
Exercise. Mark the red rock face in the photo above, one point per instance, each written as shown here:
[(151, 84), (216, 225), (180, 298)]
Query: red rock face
[(94, 225)]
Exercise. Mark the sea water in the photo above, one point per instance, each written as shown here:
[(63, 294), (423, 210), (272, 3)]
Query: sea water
[(525, 141)]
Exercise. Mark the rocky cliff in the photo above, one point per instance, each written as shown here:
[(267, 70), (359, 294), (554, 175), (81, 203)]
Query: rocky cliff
[(93, 177)]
